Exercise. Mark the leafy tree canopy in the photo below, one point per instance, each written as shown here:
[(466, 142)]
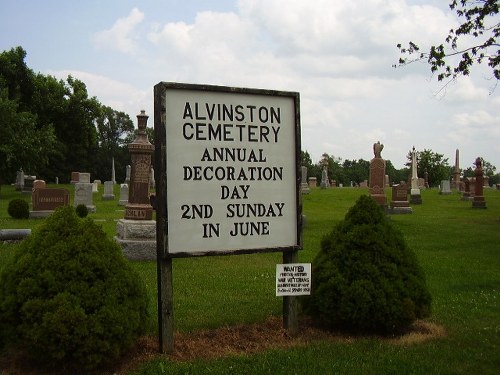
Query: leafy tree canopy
[(50, 127), (434, 164), (474, 41)]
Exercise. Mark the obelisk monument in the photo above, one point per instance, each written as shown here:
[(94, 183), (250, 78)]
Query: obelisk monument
[(415, 197)]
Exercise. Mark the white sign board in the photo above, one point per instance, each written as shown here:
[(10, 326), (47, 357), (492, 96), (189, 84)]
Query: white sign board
[(232, 179), (293, 279)]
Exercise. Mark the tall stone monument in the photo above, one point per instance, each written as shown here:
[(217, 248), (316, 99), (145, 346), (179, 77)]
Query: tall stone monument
[(478, 200), (325, 183), (136, 233), (113, 174), (455, 183), (377, 176), (304, 186), (415, 197)]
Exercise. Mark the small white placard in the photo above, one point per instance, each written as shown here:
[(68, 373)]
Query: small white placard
[(293, 279)]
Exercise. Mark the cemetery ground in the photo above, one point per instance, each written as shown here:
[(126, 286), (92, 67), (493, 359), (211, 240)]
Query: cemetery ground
[(228, 320)]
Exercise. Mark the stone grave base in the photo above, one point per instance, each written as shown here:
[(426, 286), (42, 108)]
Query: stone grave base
[(478, 202), (415, 198), (400, 208), (40, 214), (108, 197), (137, 238)]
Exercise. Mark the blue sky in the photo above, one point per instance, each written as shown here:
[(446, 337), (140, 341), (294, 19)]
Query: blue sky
[(337, 54)]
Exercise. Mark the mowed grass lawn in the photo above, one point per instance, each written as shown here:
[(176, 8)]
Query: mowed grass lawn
[(458, 247)]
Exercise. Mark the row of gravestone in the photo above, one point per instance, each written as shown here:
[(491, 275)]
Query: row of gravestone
[(46, 200)]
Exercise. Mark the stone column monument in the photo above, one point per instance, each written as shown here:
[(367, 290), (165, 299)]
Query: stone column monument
[(415, 197), (455, 183), (136, 233), (304, 187), (478, 200), (325, 183), (377, 176)]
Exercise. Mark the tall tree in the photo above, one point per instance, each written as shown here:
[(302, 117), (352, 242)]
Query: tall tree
[(335, 170), (474, 41), (436, 166), (115, 131), (22, 143), (356, 171)]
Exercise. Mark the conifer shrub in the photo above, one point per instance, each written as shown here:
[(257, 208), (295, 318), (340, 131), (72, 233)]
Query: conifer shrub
[(69, 298), (82, 210), (365, 279), (18, 209)]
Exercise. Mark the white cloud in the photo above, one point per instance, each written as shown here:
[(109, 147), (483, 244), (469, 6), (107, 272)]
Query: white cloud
[(337, 54), (121, 35), (118, 95)]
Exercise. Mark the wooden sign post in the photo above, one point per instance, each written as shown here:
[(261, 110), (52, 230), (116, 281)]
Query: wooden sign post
[(227, 171)]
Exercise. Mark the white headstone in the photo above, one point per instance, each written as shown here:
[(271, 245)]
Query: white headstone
[(445, 187), (108, 191), (84, 178), (123, 195), (83, 195)]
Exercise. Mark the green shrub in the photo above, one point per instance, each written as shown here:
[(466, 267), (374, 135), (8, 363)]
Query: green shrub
[(69, 297), (19, 209), (365, 279), (82, 210)]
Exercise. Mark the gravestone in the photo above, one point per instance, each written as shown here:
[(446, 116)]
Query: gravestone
[(83, 195), (152, 178), (84, 178), (445, 187), (399, 203), (123, 195), (486, 181), (466, 195), (478, 200), (39, 184), (75, 177), (19, 180), (312, 181), (46, 200), (95, 187), (377, 176), (108, 194), (136, 233), (304, 187), (363, 184), (127, 174), (415, 197), (28, 184)]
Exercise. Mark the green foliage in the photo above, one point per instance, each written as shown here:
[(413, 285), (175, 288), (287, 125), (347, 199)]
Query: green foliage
[(435, 164), (365, 279), (479, 30), (69, 298), (82, 210), (19, 209), (73, 129)]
